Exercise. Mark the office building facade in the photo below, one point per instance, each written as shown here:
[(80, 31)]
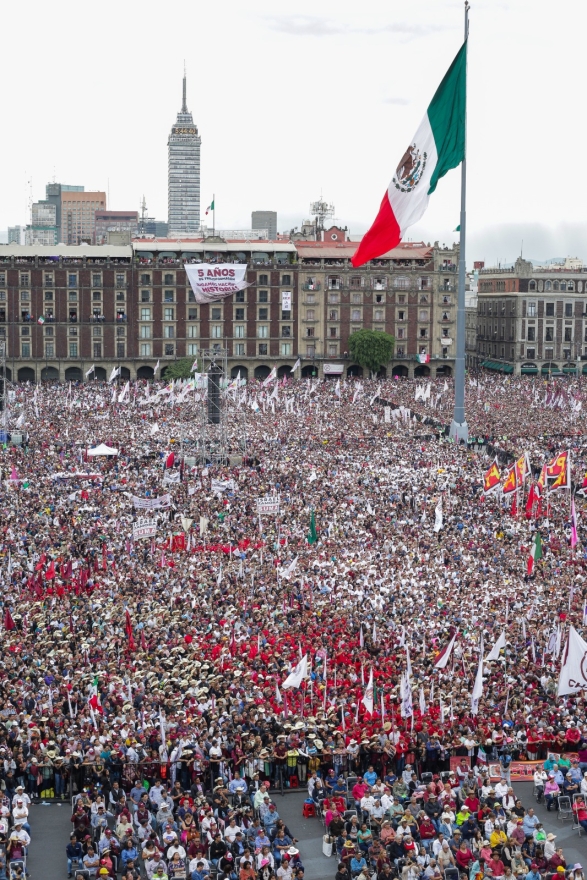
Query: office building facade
[(184, 174), (265, 220)]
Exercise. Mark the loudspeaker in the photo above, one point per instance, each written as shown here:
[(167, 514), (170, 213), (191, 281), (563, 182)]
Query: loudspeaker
[(214, 378)]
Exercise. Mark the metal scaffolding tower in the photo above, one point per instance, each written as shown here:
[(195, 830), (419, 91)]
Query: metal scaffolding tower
[(221, 427)]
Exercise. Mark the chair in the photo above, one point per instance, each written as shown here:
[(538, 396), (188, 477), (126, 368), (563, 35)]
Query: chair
[(308, 810), (451, 873), (564, 808), (350, 781), (348, 815), (576, 824), (426, 778)]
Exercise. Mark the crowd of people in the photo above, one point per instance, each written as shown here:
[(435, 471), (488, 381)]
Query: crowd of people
[(145, 676)]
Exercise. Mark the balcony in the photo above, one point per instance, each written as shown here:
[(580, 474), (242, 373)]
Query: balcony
[(446, 288), (315, 286)]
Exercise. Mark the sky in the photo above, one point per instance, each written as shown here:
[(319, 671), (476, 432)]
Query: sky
[(295, 101)]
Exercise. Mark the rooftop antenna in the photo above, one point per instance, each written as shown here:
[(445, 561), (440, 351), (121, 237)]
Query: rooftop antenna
[(522, 249), (143, 215), (321, 210), (184, 108)]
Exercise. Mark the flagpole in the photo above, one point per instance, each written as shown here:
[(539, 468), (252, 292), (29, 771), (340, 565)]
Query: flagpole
[(459, 430), (213, 215)]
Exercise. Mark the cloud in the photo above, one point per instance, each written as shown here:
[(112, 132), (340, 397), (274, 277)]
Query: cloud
[(401, 101), (314, 26)]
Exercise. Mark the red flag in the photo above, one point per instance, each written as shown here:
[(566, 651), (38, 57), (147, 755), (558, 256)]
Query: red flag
[(170, 460), (8, 621), (128, 624), (41, 563), (530, 502), (131, 642), (143, 640), (50, 571), (515, 504)]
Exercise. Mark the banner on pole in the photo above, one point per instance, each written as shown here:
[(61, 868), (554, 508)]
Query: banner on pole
[(151, 503), (144, 528), (268, 505), (214, 281)]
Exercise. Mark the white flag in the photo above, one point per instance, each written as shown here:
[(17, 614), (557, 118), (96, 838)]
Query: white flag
[(297, 675), (422, 700), (478, 686), (296, 366), (337, 388), (278, 697), (438, 516), (494, 653), (367, 700), (91, 370), (115, 372), (445, 655), (155, 368), (124, 392), (572, 677), (270, 378)]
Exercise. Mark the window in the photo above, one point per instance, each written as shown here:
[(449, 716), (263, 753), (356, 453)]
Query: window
[(239, 296), (401, 315), (401, 333), (192, 348), (169, 349), (549, 310), (555, 286), (238, 348), (310, 314), (120, 349), (24, 296), (48, 280), (378, 314), (310, 350), (168, 331), (423, 315), (262, 331), (532, 285), (401, 298), (263, 296), (97, 349), (216, 314), (96, 296), (310, 331), (424, 283), (48, 296), (286, 347), (333, 332), (310, 298), (145, 314), (400, 351), (263, 314), (73, 331), (286, 279), (568, 310), (531, 334), (531, 310), (96, 279), (145, 331), (192, 314), (49, 331), (549, 334), (239, 331), (423, 332), (239, 314), (25, 349), (333, 282), (262, 348), (549, 353), (72, 279), (121, 280), (333, 349), (401, 282), (168, 278), (168, 296), (192, 331), (263, 279), (145, 278), (568, 334), (145, 349), (355, 314), (24, 279), (334, 297), (286, 330), (531, 352), (216, 331), (191, 296), (333, 315), (97, 331), (356, 298), (379, 284), (145, 296), (168, 314)]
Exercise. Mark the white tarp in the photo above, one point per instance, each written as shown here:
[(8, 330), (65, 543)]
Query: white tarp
[(102, 449), (573, 676), (214, 281)]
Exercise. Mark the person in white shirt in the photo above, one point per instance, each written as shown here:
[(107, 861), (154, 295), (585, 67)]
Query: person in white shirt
[(231, 830), (175, 848), (195, 862), (20, 794), (501, 789), (367, 805)]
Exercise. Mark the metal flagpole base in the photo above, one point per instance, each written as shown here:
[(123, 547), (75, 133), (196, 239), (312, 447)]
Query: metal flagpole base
[(459, 432)]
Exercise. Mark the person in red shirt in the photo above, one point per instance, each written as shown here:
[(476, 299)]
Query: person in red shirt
[(464, 856), (360, 789), (573, 735), (496, 865)]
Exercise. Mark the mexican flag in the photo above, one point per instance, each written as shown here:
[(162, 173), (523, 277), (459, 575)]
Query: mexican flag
[(535, 552), (210, 207), (437, 146), (423, 358), (312, 534), (41, 319), (94, 697)]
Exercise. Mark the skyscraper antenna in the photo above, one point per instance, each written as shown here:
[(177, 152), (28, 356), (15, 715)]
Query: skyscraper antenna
[(184, 108)]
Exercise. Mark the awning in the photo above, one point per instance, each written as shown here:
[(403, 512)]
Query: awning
[(498, 365), (570, 368), (529, 371), (102, 449)]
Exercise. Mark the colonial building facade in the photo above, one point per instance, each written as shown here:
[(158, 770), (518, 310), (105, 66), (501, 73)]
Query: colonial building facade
[(64, 310), (532, 319)]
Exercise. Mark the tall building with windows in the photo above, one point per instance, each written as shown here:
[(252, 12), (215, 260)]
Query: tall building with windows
[(265, 220), (78, 215), (184, 173)]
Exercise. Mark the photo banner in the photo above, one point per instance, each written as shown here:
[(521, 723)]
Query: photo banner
[(213, 281)]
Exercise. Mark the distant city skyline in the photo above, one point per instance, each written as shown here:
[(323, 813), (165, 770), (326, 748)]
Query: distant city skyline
[(271, 138)]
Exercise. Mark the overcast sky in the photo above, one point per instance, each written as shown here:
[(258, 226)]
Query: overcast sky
[(294, 100)]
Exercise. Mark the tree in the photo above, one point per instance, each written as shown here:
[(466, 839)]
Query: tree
[(372, 349), (181, 369)]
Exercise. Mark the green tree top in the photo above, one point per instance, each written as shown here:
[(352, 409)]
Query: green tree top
[(180, 369), (372, 349)]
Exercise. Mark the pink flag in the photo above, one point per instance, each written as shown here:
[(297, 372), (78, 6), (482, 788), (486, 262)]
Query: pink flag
[(574, 538), (13, 473)]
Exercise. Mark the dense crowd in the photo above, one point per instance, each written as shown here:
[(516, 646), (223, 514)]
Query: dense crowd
[(144, 677)]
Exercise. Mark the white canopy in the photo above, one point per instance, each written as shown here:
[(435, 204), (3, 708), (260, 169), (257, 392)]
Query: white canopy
[(102, 449)]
